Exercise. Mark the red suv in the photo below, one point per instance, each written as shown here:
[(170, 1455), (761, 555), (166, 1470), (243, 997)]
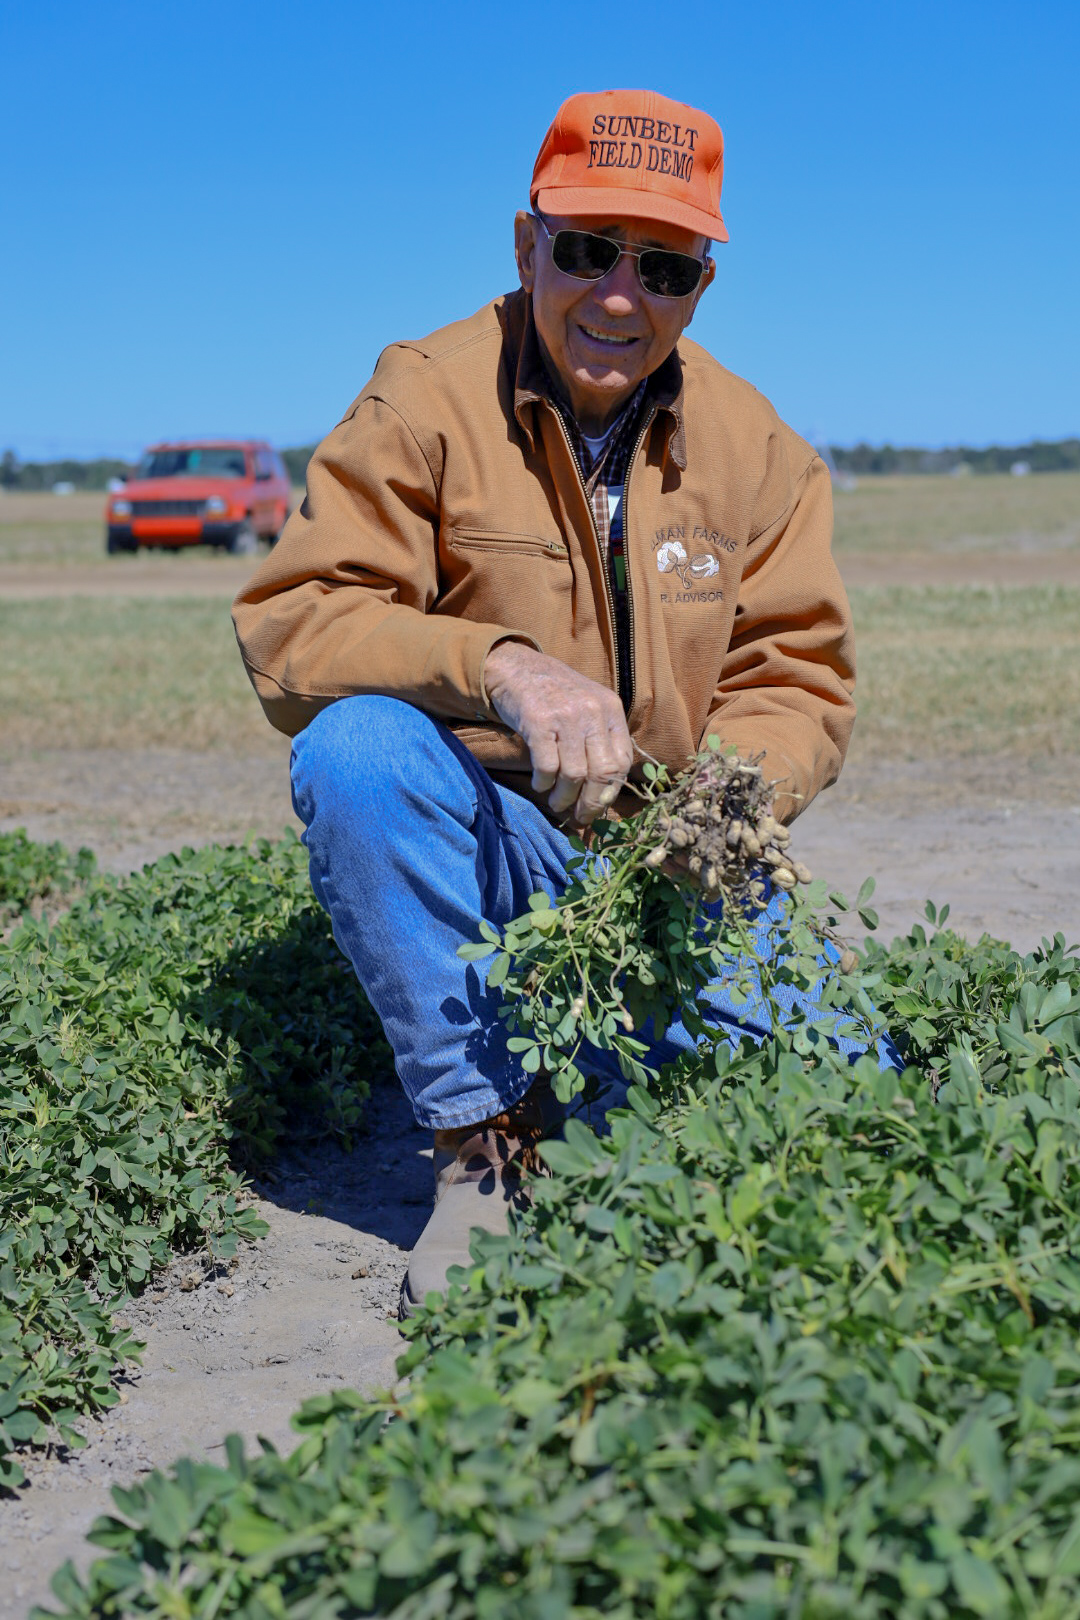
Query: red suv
[(230, 493)]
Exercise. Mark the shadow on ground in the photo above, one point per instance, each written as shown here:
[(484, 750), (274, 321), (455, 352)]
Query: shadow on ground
[(383, 1186)]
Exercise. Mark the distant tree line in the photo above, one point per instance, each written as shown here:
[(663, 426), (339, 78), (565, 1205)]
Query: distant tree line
[(296, 462), (1063, 455), (864, 460), (31, 475), (91, 475)]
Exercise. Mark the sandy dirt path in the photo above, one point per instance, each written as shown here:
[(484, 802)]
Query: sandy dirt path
[(147, 574), (999, 842), (982, 835)]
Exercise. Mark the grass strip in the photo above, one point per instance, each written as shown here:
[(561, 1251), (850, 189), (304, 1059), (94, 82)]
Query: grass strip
[(136, 673), (798, 1338), (895, 516), (967, 670), (155, 1041)]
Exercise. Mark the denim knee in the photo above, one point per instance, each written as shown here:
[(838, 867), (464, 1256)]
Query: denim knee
[(352, 754)]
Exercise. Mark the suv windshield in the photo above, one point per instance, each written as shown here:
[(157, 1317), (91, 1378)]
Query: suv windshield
[(220, 462)]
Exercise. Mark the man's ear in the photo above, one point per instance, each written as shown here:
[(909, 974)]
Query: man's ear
[(706, 281), (525, 248)]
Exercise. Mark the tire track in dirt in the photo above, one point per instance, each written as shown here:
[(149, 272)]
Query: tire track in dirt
[(126, 576)]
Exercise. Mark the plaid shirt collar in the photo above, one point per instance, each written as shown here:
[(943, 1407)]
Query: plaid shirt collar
[(610, 465)]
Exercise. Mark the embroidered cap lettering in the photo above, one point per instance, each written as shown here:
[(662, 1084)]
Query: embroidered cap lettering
[(632, 154)]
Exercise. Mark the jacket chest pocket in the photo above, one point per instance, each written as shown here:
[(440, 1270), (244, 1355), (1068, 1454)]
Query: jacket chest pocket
[(477, 543), (501, 576)]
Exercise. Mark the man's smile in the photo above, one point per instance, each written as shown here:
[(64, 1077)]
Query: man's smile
[(614, 339)]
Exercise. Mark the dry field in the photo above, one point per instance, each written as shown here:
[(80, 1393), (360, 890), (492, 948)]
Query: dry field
[(890, 518), (937, 517)]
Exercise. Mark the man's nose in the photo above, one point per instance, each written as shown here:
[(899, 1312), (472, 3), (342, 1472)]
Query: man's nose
[(619, 292)]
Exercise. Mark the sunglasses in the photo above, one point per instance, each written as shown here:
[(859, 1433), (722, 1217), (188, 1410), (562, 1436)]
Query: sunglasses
[(589, 257)]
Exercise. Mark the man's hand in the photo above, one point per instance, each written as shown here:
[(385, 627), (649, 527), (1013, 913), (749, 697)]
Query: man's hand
[(575, 730)]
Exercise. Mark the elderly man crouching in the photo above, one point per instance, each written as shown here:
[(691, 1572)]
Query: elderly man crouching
[(543, 539)]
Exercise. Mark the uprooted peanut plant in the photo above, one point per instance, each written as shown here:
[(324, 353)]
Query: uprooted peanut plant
[(697, 887)]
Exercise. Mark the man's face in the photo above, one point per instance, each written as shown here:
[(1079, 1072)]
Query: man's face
[(602, 337)]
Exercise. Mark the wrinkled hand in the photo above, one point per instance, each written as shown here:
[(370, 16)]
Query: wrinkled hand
[(575, 730)]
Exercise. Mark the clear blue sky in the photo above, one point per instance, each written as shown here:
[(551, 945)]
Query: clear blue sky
[(215, 215)]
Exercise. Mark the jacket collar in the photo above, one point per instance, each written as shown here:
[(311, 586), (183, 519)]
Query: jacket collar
[(532, 385)]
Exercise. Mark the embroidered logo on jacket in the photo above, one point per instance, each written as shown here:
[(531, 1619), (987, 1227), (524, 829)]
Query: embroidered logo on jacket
[(691, 569)]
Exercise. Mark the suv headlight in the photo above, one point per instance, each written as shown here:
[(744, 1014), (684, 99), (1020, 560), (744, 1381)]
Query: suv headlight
[(121, 508), (216, 505)]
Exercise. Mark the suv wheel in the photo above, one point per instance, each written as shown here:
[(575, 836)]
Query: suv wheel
[(119, 542), (244, 543)]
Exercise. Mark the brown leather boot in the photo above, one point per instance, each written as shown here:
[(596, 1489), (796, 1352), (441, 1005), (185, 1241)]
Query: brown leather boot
[(481, 1173)]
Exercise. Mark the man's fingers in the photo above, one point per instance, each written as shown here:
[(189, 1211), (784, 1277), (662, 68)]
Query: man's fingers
[(622, 746), (544, 753), (572, 773), (604, 778), (575, 730)]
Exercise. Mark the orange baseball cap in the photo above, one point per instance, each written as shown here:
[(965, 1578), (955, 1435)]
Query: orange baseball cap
[(632, 154)]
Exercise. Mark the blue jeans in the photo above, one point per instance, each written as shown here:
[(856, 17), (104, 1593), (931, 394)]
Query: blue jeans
[(410, 844)]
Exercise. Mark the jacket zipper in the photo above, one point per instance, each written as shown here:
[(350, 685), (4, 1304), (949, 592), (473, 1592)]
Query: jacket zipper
[(604, 561), (626, 556)]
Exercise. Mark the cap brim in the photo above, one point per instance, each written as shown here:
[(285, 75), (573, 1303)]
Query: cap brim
[(615, 202)]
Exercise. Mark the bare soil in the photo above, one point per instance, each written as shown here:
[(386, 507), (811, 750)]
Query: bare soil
[(132, 806), (200, 573), (998, 839), (1019, 568)]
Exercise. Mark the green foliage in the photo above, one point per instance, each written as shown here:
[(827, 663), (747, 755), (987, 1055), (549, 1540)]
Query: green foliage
[(1059, 455), (798, 1338), (32, 872), (296, 461), (999, 1007), (169, 1027)]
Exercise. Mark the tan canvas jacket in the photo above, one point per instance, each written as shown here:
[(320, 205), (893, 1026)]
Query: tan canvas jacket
[(446, 512)]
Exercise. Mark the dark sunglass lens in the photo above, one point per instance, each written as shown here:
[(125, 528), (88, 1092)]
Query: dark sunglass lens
[(669, 275), (580, 253)]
